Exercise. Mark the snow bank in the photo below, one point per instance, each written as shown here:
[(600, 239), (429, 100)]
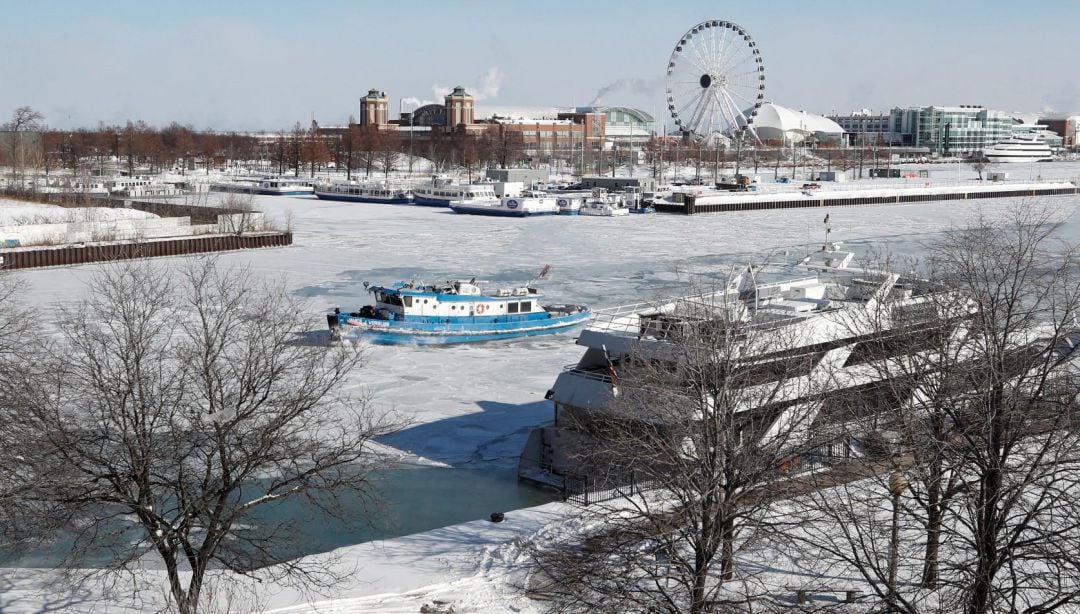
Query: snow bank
[(18, 213)]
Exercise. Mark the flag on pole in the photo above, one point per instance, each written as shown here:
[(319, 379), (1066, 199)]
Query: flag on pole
[(611, 370)]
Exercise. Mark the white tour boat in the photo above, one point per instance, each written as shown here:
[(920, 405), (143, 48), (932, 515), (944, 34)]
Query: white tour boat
[(568, 205), (443, 192), (1019, 149), (272, 186), (528, 203), (365, 192)]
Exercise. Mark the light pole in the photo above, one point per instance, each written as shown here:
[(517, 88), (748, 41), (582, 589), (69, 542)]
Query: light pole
[(898, 483)]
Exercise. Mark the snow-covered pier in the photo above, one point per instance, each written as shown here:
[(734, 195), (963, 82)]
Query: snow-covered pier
[(893, 195)]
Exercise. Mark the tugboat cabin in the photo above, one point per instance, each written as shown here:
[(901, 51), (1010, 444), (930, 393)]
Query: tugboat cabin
[(453, 301)]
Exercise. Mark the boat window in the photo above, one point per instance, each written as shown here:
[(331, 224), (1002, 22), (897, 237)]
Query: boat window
[(511, 308), (390, 299), (526, 306), (408, 300)]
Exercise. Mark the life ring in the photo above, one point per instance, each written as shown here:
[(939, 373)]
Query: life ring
[(481, 308)]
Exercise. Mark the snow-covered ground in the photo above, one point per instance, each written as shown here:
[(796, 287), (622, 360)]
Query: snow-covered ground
[(472, 406), (20, 213)]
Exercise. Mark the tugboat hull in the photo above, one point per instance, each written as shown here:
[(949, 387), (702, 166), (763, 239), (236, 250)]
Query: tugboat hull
[(448, 331)]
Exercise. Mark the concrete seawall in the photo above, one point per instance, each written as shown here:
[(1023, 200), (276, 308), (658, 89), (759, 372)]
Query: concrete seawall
[(710, 203)]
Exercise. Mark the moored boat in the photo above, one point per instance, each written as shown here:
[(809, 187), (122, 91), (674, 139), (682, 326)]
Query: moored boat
[(528, 203), (1019, 149), (568, 205), (273, 186), (444, 192), (385, 192), (604, 204), (453, 312)]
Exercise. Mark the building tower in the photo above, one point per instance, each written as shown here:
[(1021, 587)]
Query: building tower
[(373, 109), (459, 108)]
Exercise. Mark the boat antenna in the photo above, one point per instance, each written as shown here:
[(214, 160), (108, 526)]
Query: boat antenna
[(828, 229)]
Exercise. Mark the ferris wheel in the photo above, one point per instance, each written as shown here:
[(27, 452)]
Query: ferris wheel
[(715, 81)]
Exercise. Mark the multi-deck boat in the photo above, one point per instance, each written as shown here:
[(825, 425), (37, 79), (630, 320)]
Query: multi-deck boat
[(443, 192), (453, 312), (528, 203), (604, 204), (1019, 149), (815, 318), (373, 192), (273, 186)]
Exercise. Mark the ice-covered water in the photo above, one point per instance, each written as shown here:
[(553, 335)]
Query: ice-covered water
[(472, 406)]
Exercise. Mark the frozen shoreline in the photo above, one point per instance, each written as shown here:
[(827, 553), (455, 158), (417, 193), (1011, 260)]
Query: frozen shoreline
[(473, 406)]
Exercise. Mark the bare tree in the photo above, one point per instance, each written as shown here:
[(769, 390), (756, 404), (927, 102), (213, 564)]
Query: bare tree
[(170, 414), (980, 400), (979, 163), (23, 151), (367, 149), (907, 352), (695, 444), (1017, 440), (242, 216), (389, 151)]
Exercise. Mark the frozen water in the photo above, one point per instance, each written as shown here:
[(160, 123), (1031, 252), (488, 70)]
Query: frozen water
[(471, 406)]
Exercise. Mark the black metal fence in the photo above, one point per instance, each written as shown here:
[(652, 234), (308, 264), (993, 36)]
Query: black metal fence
[(586, 490)]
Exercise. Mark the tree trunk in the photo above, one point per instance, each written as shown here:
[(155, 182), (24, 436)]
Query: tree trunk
[(987, 500), (181, 597), (727, 552), (697, 591), (934, 513)]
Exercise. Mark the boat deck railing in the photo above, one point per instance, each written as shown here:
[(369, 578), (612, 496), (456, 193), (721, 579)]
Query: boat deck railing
[(599, 374), (642, 320)]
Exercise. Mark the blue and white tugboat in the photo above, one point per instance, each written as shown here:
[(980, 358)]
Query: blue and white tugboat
[(454, 312)]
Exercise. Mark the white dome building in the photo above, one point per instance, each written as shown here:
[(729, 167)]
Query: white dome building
[(776, 123)]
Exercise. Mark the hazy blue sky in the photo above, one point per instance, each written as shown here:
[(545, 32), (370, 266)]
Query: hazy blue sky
[(230, 64)]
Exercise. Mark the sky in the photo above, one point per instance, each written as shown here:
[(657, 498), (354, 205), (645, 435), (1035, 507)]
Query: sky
[(265, 65)]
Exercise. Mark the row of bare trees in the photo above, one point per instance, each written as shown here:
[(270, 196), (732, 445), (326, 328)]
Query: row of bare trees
[(171, 409), (669, 156), (951, 479)]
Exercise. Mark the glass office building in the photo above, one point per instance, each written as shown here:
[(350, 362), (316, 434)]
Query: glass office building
[(951, 131)]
